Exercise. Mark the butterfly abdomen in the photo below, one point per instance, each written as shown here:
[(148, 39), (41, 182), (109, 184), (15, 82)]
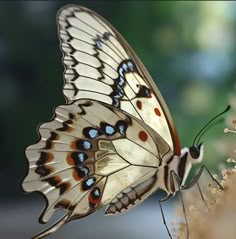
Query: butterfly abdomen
[(131, 197)]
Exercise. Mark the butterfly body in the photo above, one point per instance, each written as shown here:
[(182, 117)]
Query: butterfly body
[(114, 143)]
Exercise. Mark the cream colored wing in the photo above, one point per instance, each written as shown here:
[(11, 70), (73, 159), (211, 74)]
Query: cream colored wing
[(87, 155), (100, 65)]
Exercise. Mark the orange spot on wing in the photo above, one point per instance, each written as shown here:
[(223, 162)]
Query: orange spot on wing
[(143, 136), (67, 184), (54, 181), (69, 160), (76, 176), (74, 145), (69, 129), (157, 112)]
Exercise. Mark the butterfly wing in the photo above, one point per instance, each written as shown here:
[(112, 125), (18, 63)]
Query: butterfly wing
[(88, 154), (99, 64)]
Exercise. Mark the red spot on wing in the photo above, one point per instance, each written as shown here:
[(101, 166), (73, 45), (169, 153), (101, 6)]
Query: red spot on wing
[(76, 176), (139, 104), (143, 136), (95, 196), (157, 112), (93, 201)]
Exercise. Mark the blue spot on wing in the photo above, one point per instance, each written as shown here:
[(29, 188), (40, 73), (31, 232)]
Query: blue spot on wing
[(101, 38), (93, 133), (121, 81), (131, 66), (121, 126), (88, 183), (109, 130), (96, 192), (90, 132), (126, 66), (78, 157), (98, 44), (82, 157), (83, 144), (121, 72), (87, 145), (82, 171), (122, 129)]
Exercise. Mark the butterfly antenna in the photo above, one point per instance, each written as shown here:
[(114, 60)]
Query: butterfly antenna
[(208, 128), (228, 107)]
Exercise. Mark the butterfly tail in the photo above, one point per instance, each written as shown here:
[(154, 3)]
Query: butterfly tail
[(53, 228)]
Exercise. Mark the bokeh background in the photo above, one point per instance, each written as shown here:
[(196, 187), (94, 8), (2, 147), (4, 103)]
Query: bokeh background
[(189, 47)]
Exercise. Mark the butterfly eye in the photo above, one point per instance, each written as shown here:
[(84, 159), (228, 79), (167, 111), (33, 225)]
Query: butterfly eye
[(194, 152)]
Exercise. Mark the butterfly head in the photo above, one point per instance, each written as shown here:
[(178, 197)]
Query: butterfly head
[(196, 150), (196, 153)]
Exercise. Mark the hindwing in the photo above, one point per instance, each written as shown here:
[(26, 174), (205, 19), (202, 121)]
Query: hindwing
[(87, 155)]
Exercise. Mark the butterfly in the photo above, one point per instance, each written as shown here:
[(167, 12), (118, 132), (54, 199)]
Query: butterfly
[(114, 142)]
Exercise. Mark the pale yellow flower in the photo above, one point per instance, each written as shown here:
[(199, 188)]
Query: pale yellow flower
[(216, 219)]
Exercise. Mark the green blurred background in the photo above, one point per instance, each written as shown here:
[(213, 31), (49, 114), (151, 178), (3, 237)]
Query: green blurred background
[(189, 47)]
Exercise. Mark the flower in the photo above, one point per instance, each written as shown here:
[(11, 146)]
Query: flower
[(219, 220), (215, 216)]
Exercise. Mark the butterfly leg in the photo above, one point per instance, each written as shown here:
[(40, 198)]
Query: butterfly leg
[(200, 192), (175, 178), (162, 213), (195, 180), (202, 196)]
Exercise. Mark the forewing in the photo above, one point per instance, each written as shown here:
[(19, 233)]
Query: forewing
[(99, 64), (88, 154)]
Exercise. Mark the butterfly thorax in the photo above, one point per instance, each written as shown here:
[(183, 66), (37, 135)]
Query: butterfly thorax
[(180, 166)]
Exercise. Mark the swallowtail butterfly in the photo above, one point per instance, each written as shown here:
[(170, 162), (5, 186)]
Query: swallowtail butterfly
[(114, 142)]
